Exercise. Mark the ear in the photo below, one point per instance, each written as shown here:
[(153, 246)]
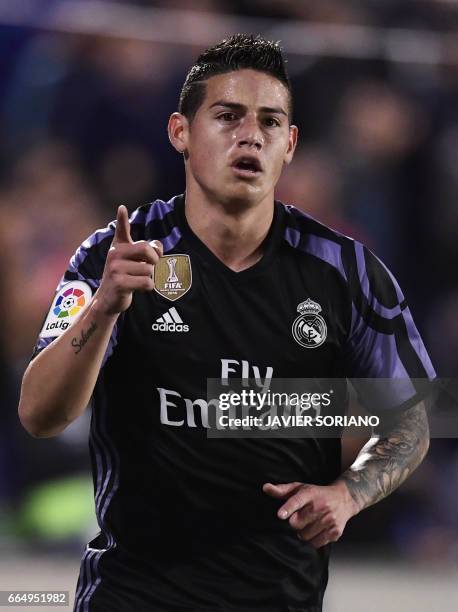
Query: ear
[(178, 130), (292, 142)]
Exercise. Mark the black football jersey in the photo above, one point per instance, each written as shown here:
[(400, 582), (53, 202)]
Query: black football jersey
[(184, 523)]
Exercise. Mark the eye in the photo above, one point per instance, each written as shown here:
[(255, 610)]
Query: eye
[(271, 122), (227, 116)]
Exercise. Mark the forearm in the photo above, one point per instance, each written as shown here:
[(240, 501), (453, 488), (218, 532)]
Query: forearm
[(384, 463), (58, 383)]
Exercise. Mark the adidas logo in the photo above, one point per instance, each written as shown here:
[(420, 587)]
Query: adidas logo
[(170, 322)]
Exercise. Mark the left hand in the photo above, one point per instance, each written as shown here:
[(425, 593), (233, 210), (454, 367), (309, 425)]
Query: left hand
[(317, 513)]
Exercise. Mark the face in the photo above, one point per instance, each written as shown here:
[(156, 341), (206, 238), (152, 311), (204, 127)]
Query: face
[(239, 139)]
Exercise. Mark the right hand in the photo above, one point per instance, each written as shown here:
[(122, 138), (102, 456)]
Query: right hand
[(129, 266)]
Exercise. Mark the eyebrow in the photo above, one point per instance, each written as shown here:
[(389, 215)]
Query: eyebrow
[(237, 106)]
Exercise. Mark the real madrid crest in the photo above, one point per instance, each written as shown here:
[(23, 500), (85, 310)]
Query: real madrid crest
[(309, 328), (173, 276)]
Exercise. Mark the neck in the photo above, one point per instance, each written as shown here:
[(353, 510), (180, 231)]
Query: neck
[(234, 232)]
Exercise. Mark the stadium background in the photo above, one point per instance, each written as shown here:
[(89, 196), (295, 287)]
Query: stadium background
[(85, 92)]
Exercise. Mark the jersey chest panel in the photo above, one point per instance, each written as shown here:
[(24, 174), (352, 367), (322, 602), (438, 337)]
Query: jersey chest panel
[(227, 328)]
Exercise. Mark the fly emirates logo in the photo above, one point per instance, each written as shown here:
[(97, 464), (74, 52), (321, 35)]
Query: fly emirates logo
[(243, 390), (179, 411)]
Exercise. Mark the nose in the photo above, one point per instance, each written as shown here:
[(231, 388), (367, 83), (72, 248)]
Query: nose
[(249, 134)]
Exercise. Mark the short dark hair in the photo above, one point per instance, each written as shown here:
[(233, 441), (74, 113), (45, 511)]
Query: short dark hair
[(235, 53)]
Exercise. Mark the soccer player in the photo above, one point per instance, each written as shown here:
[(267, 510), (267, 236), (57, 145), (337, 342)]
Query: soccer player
[(222, 282)]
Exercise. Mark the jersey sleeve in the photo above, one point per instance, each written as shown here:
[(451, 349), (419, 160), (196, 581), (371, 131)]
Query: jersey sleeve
[(75, 290), (385, 357)]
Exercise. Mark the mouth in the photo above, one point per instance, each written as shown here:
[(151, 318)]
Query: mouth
[(247, 167)]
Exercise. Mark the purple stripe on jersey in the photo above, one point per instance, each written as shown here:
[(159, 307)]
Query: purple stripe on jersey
[(84, 580), (375, 353), (100, 471), (322, 248), (81, 580), (86, 575), (43, 343), (398, 289), (88, 578), (383, 311), (390, 313), (102, 452), (95, 238), (417, 344), (170, 241), (293, 236), (91, 563), (102, 458), (96, 583), (327, 250), (104, 448), (382, 394), (156, 212), (116, 462)]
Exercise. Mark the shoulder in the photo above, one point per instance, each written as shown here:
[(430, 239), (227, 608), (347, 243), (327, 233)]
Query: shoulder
[(365, 273), (156, 217), (154, 220), (306, 234)]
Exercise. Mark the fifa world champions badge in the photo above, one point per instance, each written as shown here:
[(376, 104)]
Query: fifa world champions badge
[(173, 276), (309, 328)]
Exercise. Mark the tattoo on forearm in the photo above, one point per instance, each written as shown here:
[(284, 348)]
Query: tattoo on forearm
[(384, 463), (85, 335)]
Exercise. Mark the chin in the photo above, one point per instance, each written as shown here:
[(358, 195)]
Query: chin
[(243, 195)]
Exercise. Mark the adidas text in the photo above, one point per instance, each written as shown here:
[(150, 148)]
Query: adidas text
[(170, 327), (170, 321)]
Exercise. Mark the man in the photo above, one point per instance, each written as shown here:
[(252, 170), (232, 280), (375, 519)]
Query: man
[(209, 286)]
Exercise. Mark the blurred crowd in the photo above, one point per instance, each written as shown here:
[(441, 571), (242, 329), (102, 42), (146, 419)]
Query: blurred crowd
[(83, 129)]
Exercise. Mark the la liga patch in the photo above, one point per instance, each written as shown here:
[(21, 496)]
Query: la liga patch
[(68, 303)]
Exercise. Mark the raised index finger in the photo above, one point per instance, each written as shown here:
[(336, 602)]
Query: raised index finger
[(122, 231)]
